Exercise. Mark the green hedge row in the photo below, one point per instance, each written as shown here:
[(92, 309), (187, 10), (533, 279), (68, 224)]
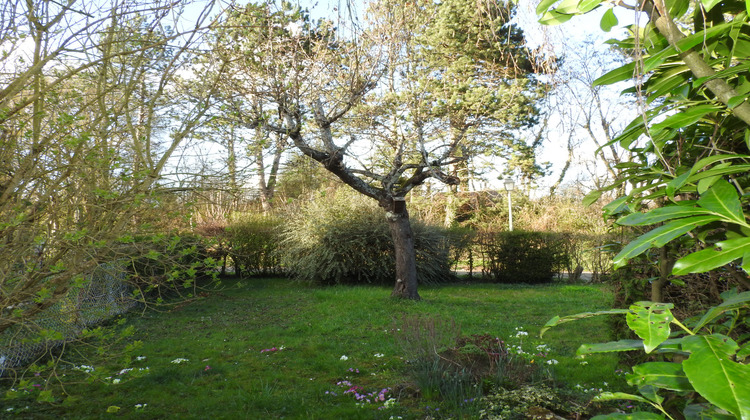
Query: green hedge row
[(524, 257)]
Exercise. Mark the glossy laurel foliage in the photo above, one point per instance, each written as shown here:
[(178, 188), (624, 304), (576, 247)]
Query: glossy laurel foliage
[(691, 178), (699, 357)]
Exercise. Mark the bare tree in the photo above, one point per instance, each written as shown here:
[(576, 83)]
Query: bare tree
[(86, 129)]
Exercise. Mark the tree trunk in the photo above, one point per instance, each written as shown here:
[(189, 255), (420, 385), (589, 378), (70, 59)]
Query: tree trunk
[(406, 258), (665, 269)]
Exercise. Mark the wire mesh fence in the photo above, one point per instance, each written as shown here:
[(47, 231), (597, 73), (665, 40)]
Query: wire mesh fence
[(104, 295)]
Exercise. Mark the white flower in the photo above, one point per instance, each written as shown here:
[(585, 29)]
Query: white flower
[(552, 362), (124, 371), (584, 363), (179, 360), (344, 357), (139, 358), (116, 381), (542, 347), (379, 355), (85, 368), (521, 333)]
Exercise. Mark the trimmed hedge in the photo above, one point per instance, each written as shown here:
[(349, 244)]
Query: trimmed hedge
[(253, 239), (524, 257)]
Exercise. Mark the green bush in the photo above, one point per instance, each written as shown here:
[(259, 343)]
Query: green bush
[(523, 257), (253, 239), (345, 238)]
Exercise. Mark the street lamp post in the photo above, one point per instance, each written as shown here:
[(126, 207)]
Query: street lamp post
[(509, 185)]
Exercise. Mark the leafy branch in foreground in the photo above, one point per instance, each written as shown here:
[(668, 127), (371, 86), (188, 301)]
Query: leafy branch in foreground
[(703, 359)]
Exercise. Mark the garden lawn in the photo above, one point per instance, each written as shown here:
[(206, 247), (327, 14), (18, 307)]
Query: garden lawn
[(271, 348)]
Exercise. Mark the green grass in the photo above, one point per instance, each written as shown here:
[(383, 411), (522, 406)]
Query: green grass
[(229, 377)]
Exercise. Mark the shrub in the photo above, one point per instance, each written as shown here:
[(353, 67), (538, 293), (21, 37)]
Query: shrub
[(163, 263), (523, 257), (345, 238), (253, 239)]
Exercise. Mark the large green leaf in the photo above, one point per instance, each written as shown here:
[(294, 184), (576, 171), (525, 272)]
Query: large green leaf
[(668, 346), (658, 59), (544, 5), (683, 209), (638, 415), (555, 321), (730, 71), (713, 373), (722, 199), (617, 75), (702, 163), (592, 197), (660, 236), (709, 4), (708, 259), (684, 118), (554, 18), (706, 411), (664, 375), (611, 396), (586, 6), (567, 6), (737, 301), (609, 20), (650, 321)]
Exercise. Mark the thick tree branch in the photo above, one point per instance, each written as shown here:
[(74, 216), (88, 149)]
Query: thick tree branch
[(719, 87)]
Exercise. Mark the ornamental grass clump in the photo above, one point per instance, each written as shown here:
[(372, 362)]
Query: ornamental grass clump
[(343, 238)]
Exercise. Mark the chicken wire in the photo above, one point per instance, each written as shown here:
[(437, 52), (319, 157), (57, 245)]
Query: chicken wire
[(104, 295)]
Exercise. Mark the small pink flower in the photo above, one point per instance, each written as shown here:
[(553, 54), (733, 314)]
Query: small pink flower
[(207, 368)]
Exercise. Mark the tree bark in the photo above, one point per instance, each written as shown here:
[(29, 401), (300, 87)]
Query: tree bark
[(406, 257), (665, 269)]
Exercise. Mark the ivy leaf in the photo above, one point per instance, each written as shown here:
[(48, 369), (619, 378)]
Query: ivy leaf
[(650, 321), (713, 373), (664, 375)]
